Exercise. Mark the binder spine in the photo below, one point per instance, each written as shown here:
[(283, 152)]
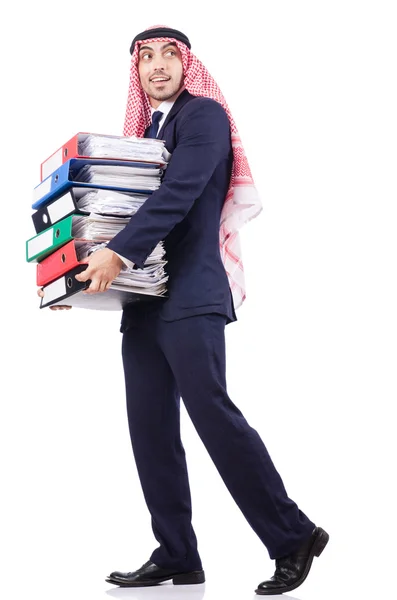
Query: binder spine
[(51, 187), (51, 213), (64, 287), (57, 264), (58, 158), (45, 243)]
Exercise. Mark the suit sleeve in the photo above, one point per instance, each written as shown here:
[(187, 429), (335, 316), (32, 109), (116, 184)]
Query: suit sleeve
[(203, 142)]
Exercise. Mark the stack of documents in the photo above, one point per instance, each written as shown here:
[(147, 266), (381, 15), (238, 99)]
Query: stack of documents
[(86, 145), (82, 205), (84, 229), (110, 202), (120, 176), (124, 176), (87, 200), (131, 148)]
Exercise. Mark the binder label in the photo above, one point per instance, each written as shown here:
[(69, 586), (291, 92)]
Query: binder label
[(61, 207), (51, 164), (42, 189), (40, 242), (54, 290)]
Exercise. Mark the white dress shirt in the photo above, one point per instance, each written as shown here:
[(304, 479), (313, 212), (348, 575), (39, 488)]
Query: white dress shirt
[(165, 108)]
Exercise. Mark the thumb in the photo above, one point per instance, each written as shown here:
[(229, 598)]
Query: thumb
[(84, 276)]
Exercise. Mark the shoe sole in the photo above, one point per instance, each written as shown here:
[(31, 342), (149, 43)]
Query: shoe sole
[(318, 546), (191, 578)]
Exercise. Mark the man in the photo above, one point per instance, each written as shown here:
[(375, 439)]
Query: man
[(175, 347)]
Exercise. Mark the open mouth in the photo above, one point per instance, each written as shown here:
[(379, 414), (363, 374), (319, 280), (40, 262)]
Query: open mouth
[(159, 79)]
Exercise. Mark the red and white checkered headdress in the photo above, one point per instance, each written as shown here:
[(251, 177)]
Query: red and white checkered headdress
[(242, 202)]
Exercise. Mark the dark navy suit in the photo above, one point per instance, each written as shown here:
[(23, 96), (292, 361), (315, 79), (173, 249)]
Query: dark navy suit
[(185, 211), (175, 347)]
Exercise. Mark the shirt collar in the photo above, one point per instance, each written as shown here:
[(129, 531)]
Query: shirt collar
[(165, 106)]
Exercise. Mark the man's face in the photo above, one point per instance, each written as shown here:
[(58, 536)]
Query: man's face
[(160, 71)]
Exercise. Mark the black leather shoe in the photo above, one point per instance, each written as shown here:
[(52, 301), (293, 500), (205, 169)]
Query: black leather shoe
[(151, 574), (292, 570)]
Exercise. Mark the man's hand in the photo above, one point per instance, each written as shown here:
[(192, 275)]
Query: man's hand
[(103, 266)]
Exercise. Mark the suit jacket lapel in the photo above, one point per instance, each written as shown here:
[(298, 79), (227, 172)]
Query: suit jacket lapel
[(179, 103)]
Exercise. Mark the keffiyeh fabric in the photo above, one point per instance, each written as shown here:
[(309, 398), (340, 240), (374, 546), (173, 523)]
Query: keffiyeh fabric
[(242, 202)]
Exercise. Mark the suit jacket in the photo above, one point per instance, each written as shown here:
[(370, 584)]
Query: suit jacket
[(185, 213)]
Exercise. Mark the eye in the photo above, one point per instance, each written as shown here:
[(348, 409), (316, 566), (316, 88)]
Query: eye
[(145, 56), (170, 53)]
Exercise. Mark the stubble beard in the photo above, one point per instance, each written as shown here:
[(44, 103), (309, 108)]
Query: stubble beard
[(165, 95)]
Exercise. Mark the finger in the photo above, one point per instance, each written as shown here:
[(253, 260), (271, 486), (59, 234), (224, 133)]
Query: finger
[(109, 283), (94, 286), (60, 307), (103, 286), (85, 275), (40, 293)]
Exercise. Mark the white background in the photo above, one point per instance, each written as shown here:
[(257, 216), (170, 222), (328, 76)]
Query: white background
[(312, 358)]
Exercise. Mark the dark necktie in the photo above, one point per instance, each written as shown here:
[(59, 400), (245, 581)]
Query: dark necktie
[(153, 129)]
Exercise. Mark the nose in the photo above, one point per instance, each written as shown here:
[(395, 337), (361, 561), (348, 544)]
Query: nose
[(158, 63)]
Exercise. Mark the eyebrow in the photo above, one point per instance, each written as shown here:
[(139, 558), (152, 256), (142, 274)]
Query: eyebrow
[(162, 47)]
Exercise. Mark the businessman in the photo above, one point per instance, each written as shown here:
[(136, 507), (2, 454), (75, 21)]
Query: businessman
[(206, 195)]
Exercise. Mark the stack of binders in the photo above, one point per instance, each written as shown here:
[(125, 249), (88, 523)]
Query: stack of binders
[(89, 189)]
